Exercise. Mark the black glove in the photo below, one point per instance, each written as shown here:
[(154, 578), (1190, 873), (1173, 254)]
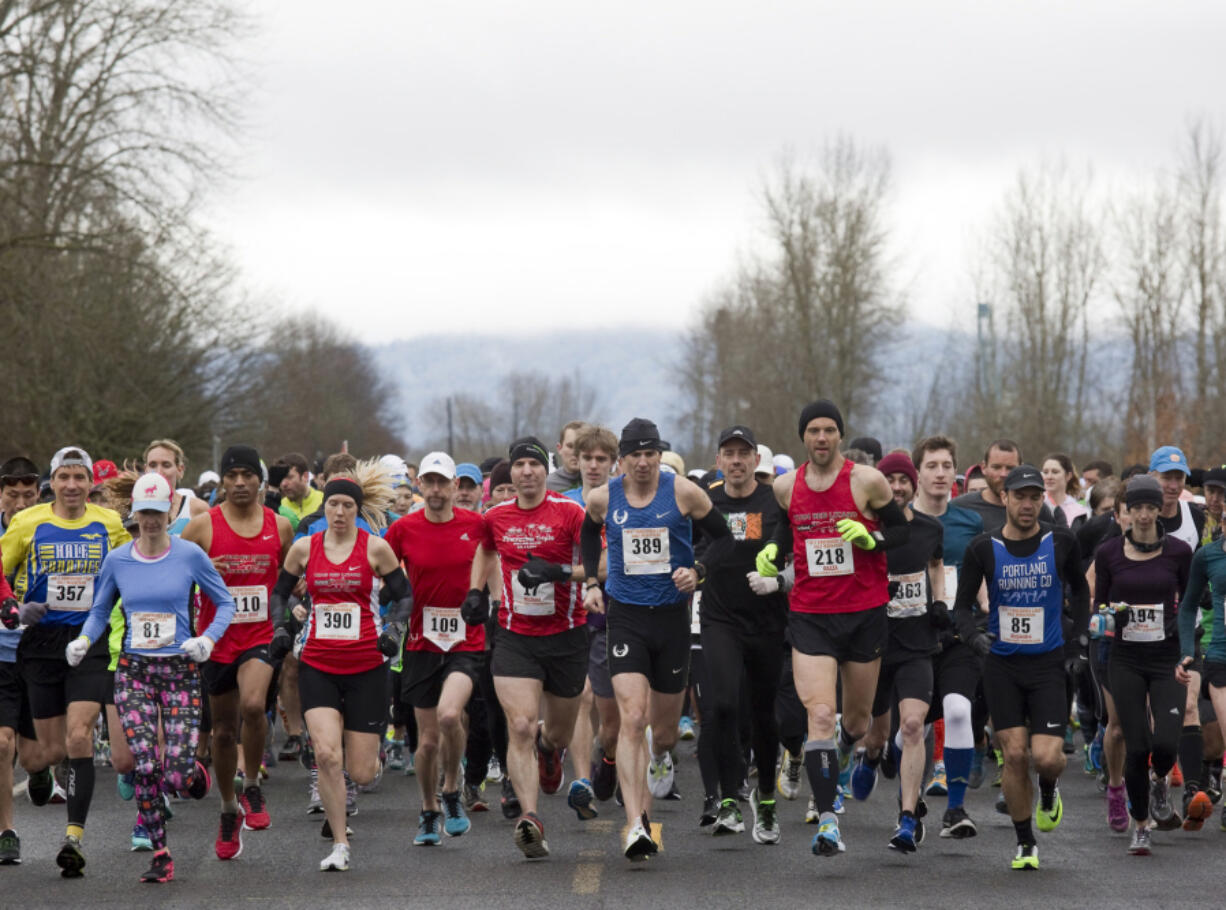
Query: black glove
[(981, 643), (938, 615), (476, 608), (391, 639), (893, 588), (537, 571), (1075, 658), (10, 613), (32, 612), (1121, 618), (282, 643)]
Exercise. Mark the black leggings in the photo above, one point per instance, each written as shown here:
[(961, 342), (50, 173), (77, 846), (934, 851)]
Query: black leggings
[(790, 714), (736, 662), (487, 729), (1139, 692)]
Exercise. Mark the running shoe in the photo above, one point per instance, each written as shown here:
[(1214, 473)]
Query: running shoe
[(529, 836), (125, 784), (1140, 845), (1049, 819), (1213, 784), (10, 848), (975, 780), (639, 843), (351, 796), (71, 858), (59, 795), (314, 806), (710, 812), (428, 829), (1196, 809), (828, 841), (141, 841), (337, 860), (395, 755), (921, 810), (890, 756), (473, 800), (839, 808), (604, 776), (198, 782), (255, 810), (550, 766), (1027, 857), (765, 819), (229, 843), (1001, 805), (1117, 809), (40, 786), (660, 775), (811, 813), (510, 802), (1160, 809), (1069, 746), (904, 835), (1176, 776), (844, 757), (325, 830), (493, 770), (1096, 751), (729, 819), (582, 798), (291, 749), (788, 785), (938, 786), (455, 819), (162, 869), (957, 824), (863, 776), (685, 728)]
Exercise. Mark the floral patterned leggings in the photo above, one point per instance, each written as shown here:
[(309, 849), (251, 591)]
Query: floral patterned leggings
[(145, 686)]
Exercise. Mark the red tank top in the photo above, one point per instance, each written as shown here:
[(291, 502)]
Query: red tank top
[(248, 566), (832, 576), (343, 626)]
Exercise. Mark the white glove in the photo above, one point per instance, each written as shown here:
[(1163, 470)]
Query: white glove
[(198, 649), (761, 585), (74, 653)]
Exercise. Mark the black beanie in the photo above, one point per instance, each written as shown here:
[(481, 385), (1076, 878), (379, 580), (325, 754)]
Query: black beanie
[(529, 447), (640, 433), (823, 407), (241, 457)]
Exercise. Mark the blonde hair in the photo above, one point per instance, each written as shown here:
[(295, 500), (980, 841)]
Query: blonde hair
[(180, 458), (377, 495), (117, 490)]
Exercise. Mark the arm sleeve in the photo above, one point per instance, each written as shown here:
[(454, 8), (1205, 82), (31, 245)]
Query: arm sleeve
[(1077, 589), (895, 529), (970, 577), (207, 576), (278, 602), (1102, 579), (715, 529), (105, 593), (783, 538), (590, 546), (1190, 604)]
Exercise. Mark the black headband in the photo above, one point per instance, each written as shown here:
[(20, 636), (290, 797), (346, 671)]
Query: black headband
[(345, 486), (528, 447), (823, 407)]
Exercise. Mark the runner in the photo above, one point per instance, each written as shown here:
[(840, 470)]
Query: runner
[(539, 657), (443, 656), (18, 488), (1061, 489), (566, 475), (165, 457), (841, 518), (341, 678), (247, 543), (1138, 578), (1029, 571), (645, 516), (54, 552), (1001, 457), (298, 497), (469, 485), (157, 683)]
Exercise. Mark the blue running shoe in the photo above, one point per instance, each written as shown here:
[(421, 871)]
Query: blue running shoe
[(827, 841), (904, 835), (844, 757), (582, 798), (685, 728), (938, 785), (141, 842), (863, 777), (126, 785), (839, 808), (455, 818), (427, 830), (1096, 751)]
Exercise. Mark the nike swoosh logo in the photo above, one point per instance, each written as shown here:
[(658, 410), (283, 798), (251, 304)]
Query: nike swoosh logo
[(661, 514), (267, 537), (678, 670), (1052, 726)]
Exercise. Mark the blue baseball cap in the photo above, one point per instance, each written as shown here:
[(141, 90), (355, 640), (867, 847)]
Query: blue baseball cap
[(469, 470), (1169, 458)]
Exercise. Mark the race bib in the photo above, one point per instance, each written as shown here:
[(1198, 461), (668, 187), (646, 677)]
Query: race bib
[(1021, 625), (911, 599), (70, 592), (951, 583), (250, 603), (151, 631), (338, 622), (828, 556), (695, 625), (645, 551), (1144, 623), (538, 603), (443, 626)]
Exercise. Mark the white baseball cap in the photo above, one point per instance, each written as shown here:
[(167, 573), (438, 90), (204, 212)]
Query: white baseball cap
[(72, 456), (785, 462), (437, 463), (151, 493), (766, 464), (208, 477)]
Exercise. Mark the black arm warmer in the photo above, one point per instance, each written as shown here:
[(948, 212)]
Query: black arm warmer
[(278, 601), (714, 528), (783, 538), (400, 594), (589, 547), (894, 527)]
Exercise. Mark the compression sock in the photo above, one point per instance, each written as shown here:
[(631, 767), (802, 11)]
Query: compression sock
[(957, 773), (846, 743), (1191, 754), (1047, 794), (822, 767), (80, 789), (1025, 834)]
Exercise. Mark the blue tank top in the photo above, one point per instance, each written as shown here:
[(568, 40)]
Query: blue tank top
[(646, 545), (1026, 600)]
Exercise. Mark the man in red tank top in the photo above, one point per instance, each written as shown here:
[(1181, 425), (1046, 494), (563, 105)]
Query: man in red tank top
[(840, 517), (247, 543)]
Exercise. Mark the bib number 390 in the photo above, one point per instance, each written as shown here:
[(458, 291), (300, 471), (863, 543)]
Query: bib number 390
[(337, 622)]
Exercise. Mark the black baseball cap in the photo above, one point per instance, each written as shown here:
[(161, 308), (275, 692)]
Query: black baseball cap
[(1024, 477), (742, 433), (1215, 477)]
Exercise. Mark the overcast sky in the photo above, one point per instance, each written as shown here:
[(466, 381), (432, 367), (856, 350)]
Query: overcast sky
[(414, 167)]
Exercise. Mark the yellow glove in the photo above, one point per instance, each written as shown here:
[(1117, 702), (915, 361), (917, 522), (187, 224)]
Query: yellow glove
[(854, 532), (765, 561)]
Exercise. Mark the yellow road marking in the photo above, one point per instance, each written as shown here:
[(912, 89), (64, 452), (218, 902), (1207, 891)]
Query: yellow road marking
[(587, 878)]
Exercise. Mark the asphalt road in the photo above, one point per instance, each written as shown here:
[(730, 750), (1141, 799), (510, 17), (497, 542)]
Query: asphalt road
[(1083, 862)]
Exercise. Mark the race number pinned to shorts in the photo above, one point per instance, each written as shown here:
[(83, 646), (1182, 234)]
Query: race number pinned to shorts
[(828, 556), (538, 602), (338, 622), (1144, 623), (951, 583), (1021, 625), (695, 624), (912, 597), (250, 603), (443, 626), (645, 551), (74, 593), (151, 631)]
